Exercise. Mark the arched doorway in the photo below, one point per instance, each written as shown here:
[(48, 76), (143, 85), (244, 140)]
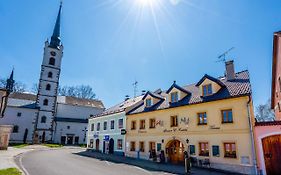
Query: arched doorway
[(111, 146), (97, 144), (175, 151), (272, 151), (43, 137), (25, 135)]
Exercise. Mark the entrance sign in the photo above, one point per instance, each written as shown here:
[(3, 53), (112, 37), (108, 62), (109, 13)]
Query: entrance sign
[(106, 138), (123, 131)]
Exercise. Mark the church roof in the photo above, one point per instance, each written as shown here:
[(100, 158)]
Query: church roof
[(80, 101)]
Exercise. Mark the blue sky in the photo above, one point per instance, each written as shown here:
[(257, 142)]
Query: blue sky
[(111, 43)]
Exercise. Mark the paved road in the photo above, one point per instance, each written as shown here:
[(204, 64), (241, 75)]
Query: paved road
[(66, 162)]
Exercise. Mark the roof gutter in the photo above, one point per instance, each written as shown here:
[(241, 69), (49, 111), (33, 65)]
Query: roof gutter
[(254, 156)]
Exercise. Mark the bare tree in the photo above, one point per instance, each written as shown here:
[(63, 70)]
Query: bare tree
[(81, 91), (18, 86), (264, 112)]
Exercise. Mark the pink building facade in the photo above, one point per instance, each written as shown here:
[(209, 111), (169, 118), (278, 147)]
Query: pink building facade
[(268, 146), (268, 134)]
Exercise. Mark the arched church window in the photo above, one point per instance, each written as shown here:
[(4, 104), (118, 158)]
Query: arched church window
[(48, 87), (52, 61), (43, 119), (16, 129), (50, 75), (45, 102)]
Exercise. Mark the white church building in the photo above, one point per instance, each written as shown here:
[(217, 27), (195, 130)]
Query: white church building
[(47, 117)]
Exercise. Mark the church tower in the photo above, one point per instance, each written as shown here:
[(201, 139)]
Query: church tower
[(48, 85)]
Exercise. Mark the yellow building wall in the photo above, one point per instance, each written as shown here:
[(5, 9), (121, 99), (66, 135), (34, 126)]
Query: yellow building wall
[(238, 131)]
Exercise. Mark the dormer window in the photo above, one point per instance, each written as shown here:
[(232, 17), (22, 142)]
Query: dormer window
[(148, 102), (207, 90), (174, 97)]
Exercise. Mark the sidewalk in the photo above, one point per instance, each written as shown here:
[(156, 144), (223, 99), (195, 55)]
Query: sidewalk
[(7, 156), (146, 164)]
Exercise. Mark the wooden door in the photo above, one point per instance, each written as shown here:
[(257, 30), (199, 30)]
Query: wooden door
[(272, 154), (176, 152)]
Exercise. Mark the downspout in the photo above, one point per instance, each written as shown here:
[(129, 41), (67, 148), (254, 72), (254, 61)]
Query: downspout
[(252, 136)]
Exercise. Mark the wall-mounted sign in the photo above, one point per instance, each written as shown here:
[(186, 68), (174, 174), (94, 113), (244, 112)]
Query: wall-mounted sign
[(106, 138), (184, 120), (175, 130), (159, 122), (96, 135), (140, 131), (123, 131), (214, 127)]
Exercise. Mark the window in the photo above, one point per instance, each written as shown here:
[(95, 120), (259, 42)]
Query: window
[(204, 149), (68, 127), (16, 129), (120, 144), (50, 75), (48, 87), (151, 146), (104, 125), (148, 102), (174, 121), (216, 150), (98, 127), (152, 123), (174, 97), (120, 123), (230, 150), (207, 90), (141, 146), (142, 124), (202, 118), (133, 146), (45, 102), (227, 116), (52, 61), (19, 114), (92, 127), (192, 149), (43, 119), (112, 124), (279, 107), (133, 125)]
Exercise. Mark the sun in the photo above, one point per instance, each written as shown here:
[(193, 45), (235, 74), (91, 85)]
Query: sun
[(146, 2)]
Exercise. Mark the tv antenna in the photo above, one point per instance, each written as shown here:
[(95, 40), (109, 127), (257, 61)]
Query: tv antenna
[(135, 84), (222, 57)]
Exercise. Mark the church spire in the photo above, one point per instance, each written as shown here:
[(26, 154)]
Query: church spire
[(10, 82), (55, 39)]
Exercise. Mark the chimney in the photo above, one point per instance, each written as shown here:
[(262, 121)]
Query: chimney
[(230, 72), (127, 97)]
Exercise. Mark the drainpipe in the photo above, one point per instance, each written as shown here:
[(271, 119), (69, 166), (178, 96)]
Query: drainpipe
[(252, 136)]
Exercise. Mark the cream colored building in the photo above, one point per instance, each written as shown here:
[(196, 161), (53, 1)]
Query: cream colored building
[(211, 120)]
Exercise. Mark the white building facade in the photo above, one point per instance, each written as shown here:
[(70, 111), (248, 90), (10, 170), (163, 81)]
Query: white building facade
[(21, 112), (106, 131), (71, 119)]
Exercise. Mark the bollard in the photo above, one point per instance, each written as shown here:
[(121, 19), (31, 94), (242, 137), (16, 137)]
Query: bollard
[(186, 163)]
